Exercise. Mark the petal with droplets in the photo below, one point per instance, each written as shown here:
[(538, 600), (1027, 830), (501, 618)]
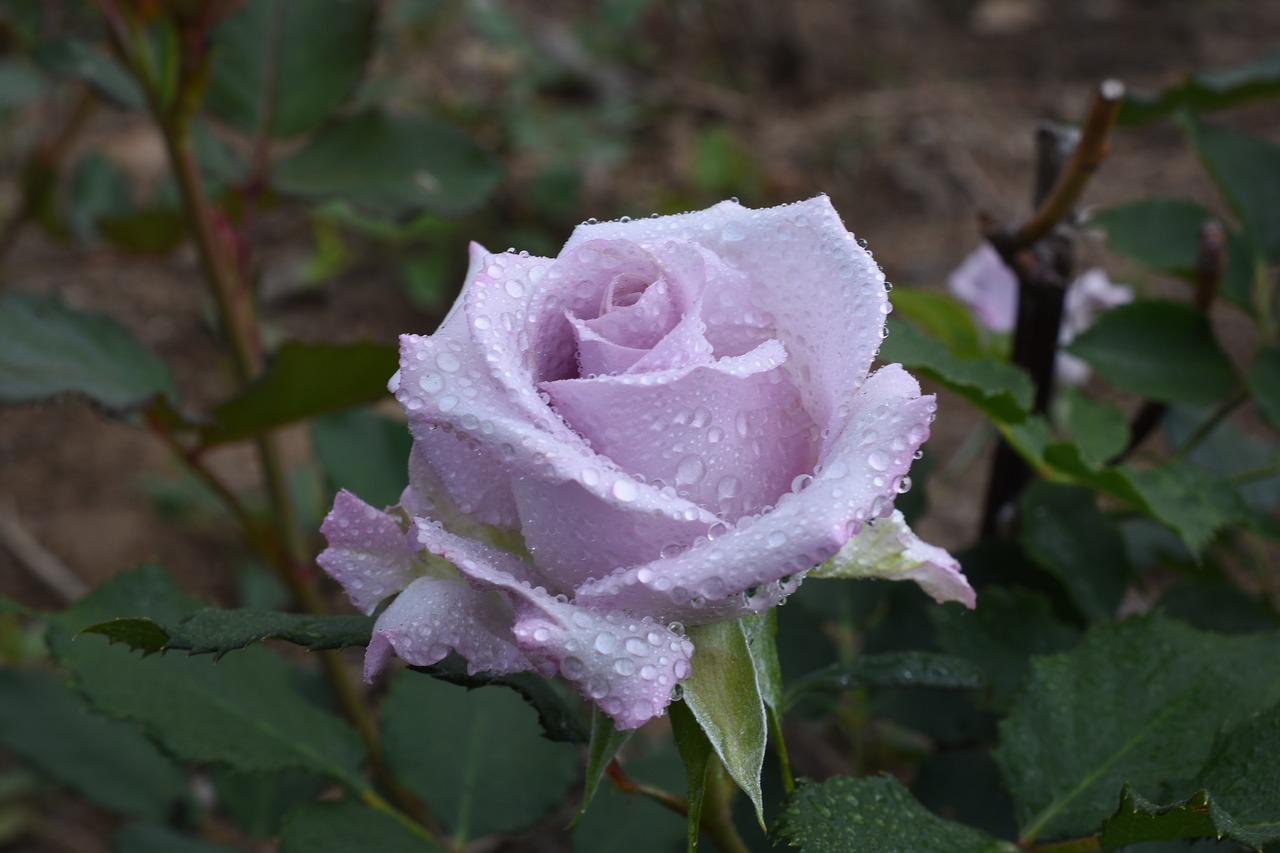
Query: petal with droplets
[(751, 566), (434, 616), (889, 550), (368, 554)]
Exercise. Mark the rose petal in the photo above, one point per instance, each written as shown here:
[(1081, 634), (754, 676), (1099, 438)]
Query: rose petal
[(434, 616), (627, 666), (988, 287), (368, 554), (474, 377), (793, 258), (889, 550), (858, 481), (734, 434)]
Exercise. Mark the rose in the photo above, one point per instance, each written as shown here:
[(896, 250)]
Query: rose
[(672, 422), (990, 289)]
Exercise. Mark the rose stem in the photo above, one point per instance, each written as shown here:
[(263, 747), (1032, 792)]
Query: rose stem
[(1041, 255), (1211, 263), (239, 325)]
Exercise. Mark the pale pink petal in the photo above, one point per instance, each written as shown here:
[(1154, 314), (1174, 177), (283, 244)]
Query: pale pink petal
[(626, 665), (988, 287), (434, 616), (749, 567), (787, 260), (729, 436), (888, 550), (634, 312), (368, 554)]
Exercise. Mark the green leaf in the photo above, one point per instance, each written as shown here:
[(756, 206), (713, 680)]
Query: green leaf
[(304, 381), (1161, 350), (48, 349), (893, 669), (258, 802), (213, 630), (1193, 503), (1099, 429), (1206, 91), (1218, 604), (19, 85), (347, 826), (365, 453), (502, 776), (149, 838), (98, 188), (1139, 820), (393, 165), (108, 763), (1001, 636), (1163, 234), (1094, 567), (1247, 170), (281, 67), (1139, 702), (627, 823), (874, 813), (559, 721), (724, 696), (1244, 778), (75, 59), (941, 316), (1264, 384), (606, 740), (997, 389), (248, 711), (695, 752)]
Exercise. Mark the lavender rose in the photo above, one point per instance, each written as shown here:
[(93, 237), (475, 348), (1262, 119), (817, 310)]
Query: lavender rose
[(670, 423)]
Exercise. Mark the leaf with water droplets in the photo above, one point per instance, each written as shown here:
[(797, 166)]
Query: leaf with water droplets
[(877, 813), (893, 669), (213, 630)]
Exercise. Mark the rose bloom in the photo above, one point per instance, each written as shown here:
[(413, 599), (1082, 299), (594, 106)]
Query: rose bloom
[(990, 290), (669, 424)]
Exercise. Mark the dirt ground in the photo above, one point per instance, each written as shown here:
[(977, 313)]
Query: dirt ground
[(912, 115)]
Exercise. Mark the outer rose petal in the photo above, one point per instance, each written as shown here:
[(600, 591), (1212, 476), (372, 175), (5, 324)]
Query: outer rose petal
[(889, 550), (806, 280), (434, 616), (368, 553), (988, 287), (626, 665), (754, 564)]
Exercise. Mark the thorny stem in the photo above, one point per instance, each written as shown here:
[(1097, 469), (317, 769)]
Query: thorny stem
[(240, 326), (41, 168)]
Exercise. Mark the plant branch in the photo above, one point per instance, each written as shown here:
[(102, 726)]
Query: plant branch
[(1090, 151)]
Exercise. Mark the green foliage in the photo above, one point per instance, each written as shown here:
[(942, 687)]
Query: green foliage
[(724, 696), (1139, 702), (259, 802), (304, 381), (621, 823), (1162, 350), (1264, 384), (501, 776), (213, 630), (893, 669), (47, 349), (249, 711), (149, 838), (282, 67), (942, 317), (392, 166), (606, 740), (1199, 816), (109, 763), (1093, 568), (695, 754), (72, 58), (346, 826), (1206, 91), (843, 814), (997, 389), (364, 452), (1247, 170), (1100, 430)]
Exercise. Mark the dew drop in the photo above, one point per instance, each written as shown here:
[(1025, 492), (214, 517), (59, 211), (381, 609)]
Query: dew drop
[(432, 383), (625, 490), (690, 470), (878, 460), (448, 362)]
